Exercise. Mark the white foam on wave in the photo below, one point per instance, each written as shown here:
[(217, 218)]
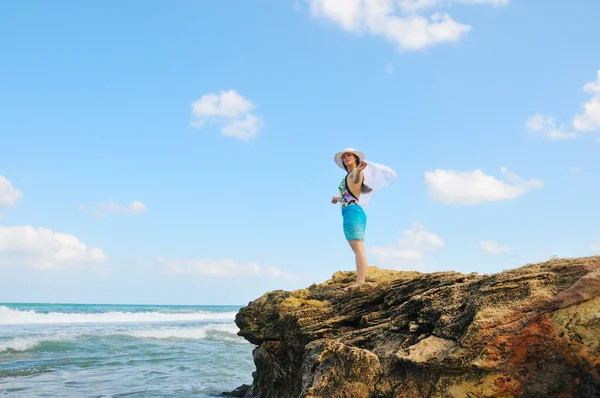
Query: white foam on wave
[(230, 328), (187, 333), (222, 332), (214, 331), (27, 343), (19, 344), (10, 316)]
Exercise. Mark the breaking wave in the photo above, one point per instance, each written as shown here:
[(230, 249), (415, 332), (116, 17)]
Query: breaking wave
[(10, 316)]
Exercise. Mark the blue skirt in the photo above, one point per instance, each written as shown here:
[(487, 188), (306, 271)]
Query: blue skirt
[(355, 222)]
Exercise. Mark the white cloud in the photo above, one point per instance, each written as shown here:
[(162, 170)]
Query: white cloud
[(546, 126), (493, 247), (230, 109), (347, 13), (45, 249), (8, 194), (224, 268), (411, 248), (410, 6), (243, 129), (494, 3), (392, 254), (420, 239), (99, 209), (226, 104), (379, 18), (596, 247), (589, 118), (475, 187), (274, 272), (134, 207)]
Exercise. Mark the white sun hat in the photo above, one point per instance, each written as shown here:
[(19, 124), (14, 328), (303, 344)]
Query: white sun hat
[(338, 156), (376, 175)]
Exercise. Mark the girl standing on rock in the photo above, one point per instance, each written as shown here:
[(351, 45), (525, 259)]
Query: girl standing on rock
[(361, 181)]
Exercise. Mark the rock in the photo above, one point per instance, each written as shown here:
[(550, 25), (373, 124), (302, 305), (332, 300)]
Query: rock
[(330, 367), (527, 332), (239, 392)]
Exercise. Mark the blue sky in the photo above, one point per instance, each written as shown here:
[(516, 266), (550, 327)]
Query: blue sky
[(182, 152)]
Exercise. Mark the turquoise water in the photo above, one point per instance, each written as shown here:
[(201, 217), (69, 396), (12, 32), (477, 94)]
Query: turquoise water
[(76, 350)]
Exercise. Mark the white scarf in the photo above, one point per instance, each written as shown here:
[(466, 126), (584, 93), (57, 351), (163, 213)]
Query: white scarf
[(375, 177)]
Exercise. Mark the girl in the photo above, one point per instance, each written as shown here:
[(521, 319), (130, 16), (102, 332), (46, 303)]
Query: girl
[(365, 179)]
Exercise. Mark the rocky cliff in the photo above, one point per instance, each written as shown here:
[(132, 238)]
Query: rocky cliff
[(528, 332)]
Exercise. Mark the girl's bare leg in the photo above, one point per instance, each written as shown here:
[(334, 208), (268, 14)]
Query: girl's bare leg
[(358, 248)]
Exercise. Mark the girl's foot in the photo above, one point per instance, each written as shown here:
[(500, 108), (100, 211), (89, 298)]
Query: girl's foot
[(357, 284)]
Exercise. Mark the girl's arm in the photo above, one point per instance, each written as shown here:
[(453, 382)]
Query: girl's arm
[(356, 174)]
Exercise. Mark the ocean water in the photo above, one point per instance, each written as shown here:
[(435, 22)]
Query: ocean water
[(77, 350)]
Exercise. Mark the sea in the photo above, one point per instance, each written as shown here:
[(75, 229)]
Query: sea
[(83, 350)]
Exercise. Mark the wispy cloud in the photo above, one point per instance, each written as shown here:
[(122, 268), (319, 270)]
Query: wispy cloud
[(412, 6), (229, 109), (8, 193), (244, 128), (589, 117), (411, 248), (493, 247), (44, 249), (495, 3), (546, 127), (475, 187), (399, 21), (389, 68), (586, 121), (595, 247), (221, 268), (381, 18), (101, 208)]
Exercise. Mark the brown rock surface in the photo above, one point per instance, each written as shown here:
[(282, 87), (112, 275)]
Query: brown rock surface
[(527, 332)]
